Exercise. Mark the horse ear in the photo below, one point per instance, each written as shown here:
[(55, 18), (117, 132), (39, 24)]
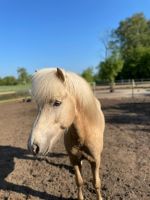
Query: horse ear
[(60, 74)]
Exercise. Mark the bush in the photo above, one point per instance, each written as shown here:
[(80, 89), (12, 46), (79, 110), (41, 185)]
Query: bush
[(8, 80)]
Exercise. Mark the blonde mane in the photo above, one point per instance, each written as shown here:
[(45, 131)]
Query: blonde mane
[(46, 86)]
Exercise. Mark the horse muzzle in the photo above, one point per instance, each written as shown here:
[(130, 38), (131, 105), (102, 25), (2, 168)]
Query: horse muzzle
[(36, 149)]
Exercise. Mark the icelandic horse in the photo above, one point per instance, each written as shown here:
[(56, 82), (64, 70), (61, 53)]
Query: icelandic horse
[(67, 105)]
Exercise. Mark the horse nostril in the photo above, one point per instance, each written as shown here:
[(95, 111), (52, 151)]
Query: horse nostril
[(35, 149)]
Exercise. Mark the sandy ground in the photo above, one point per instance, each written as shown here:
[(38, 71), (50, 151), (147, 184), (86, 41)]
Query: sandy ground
[(125, 168)]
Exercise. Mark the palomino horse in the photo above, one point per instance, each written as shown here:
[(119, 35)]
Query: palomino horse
[(66, 104)]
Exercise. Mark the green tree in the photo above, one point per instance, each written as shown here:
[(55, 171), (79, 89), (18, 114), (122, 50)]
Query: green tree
[(109, 69), (1, 81), (88, 74), (141, 62), (133, 39), (133, 32), (8, 80), (23, 76)]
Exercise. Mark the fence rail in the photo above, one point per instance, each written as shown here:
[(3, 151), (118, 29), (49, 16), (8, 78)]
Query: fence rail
[(127, 89), (123, 85)]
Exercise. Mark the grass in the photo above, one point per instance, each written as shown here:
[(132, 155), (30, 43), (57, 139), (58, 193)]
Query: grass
[(14, 92), (14, 88)]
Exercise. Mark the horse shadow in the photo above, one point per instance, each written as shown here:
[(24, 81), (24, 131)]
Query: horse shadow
[(7, 164)]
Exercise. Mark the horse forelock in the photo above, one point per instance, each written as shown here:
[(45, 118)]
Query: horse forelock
[(46, 86)]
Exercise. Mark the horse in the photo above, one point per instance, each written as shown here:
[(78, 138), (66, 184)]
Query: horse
[(67, 105)]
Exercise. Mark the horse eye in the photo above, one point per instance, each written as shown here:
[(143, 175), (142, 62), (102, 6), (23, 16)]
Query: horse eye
[(57, 103)]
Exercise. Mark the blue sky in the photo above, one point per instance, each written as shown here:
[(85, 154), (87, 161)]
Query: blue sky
[(41, 33)]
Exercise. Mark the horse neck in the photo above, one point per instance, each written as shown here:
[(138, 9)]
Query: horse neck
[(81, 126)]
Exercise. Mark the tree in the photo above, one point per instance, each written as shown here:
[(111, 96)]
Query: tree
[(133, 39), (109, 69), (23, 76), (133, 32), (88, 75), (105, 40), (129, 50), (141, 63), (1, 81), (113, 63), (8, 80)]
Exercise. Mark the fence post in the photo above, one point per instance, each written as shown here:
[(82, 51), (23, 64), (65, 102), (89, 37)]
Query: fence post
[(133, 85), (112, 86), (93, 86)]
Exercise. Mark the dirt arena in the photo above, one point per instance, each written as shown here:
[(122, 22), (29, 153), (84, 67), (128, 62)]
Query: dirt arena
[(125, 168)]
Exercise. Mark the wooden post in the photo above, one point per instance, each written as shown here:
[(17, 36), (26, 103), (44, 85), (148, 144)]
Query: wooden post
[(133, 85), (93, 86), (112, 86)]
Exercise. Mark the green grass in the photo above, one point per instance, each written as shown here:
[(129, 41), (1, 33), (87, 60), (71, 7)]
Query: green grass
[(14, 92), (14, 88)]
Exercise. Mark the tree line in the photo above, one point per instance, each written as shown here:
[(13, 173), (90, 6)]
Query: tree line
[(127, 53), (23, 78)]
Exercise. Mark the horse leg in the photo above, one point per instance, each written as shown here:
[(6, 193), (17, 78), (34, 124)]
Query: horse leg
[(79, 180), (96, 179)]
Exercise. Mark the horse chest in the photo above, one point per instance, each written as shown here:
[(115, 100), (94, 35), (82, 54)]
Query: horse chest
[(75, 144), (81, 152)]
